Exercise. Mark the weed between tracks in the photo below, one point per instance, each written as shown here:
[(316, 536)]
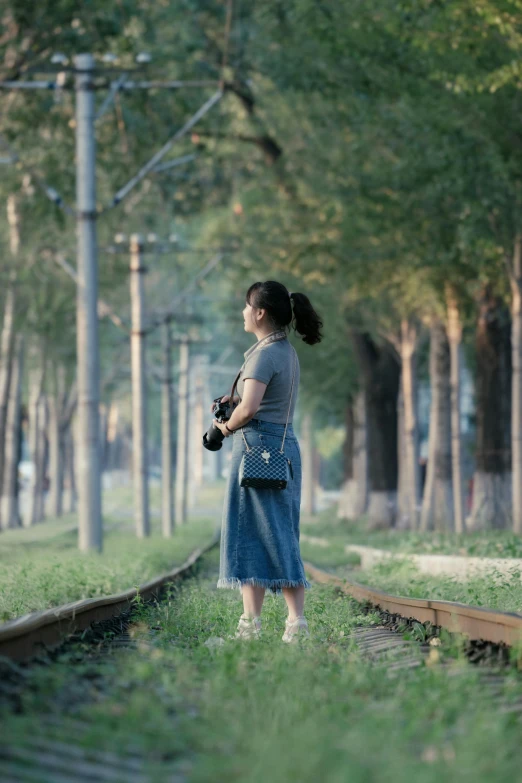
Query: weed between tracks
[(39, 571), (260, 711)]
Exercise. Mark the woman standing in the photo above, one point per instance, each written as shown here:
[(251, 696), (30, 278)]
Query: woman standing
[(260, 527)]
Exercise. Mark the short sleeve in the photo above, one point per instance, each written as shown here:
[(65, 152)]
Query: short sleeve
[(259, 366)]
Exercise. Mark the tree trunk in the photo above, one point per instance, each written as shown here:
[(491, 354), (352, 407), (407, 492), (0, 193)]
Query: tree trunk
[(343, 509), (68, 435), (182, 436), (380, 374), (56, 406), (43, 496), (6, 341), (199, 424), (492, 481), (408, 349), (9, 511), (43, 460), (113, 446), (104, 436), (69, 469), (308, 471), (360, 455), (403, 500), (55, 462), (196, 429), (36, 382), (454, 331), (516, 414), (167, 496), (6, 345), (354, 494), (437, 502)]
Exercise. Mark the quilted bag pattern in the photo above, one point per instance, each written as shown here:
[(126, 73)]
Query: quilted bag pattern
[(264, 469)]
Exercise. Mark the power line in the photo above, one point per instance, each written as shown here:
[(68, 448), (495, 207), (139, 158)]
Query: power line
[(152, 163), (49, 85)]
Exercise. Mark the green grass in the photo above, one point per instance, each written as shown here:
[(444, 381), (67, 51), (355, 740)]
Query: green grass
[(41, 567), (494, 591), (260, 711), (494, 543)]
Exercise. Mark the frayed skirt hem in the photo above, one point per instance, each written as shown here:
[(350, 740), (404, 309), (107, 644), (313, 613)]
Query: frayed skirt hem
[(269, 584)]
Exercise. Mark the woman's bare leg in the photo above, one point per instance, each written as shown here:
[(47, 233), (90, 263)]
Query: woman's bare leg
[(294, 597), (253, 597)]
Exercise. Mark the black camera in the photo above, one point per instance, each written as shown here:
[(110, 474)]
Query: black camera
[(213, 438)]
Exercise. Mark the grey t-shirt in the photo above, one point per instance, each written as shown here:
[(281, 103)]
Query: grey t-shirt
[(273, 365)]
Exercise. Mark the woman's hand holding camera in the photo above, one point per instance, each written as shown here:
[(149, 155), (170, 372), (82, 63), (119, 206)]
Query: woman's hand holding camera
[(224, 398), (223, 427), (228, 422)]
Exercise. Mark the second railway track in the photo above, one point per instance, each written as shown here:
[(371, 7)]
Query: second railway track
[(475, 622)]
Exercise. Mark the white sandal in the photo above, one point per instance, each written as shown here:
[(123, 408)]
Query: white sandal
[(295, 629), (248, 628)]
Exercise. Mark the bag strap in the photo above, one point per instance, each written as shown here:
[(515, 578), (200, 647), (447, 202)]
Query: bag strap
[(245, 440), (290, 403)]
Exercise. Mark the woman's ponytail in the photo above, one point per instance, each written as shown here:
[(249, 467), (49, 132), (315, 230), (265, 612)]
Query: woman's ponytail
[(306, 321)]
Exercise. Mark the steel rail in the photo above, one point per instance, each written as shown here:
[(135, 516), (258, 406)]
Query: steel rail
[(22, 637), (473, 621)]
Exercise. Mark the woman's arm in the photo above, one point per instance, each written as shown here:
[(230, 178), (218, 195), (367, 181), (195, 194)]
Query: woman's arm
[(247, 408)]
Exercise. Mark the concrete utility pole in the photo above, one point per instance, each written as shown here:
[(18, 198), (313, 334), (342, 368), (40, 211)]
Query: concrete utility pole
[(197, 428), (139, 390), (9, 500), (199, 420), (167, 501), (90, 530), (182, 445), (89, 484)]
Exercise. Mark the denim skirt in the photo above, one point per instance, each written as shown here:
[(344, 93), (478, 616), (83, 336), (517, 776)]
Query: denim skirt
[(260, 527)]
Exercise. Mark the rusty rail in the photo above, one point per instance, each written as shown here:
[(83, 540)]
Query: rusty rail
[(473, 621), (23, 637)]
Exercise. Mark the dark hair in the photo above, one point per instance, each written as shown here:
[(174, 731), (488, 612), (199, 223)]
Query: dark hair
[(276, 300)]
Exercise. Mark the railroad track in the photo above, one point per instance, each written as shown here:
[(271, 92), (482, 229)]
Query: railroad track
[(478, 624), (60, 755), (57, 755), (26, 636)]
